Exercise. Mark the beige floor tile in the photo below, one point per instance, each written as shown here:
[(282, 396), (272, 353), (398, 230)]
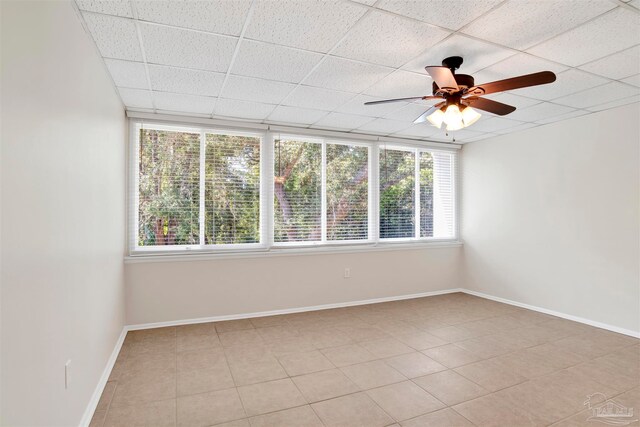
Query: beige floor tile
[(302, 416), (427, 324), (243, 352), (204, 380), (270, 396), (421, 340), (148, 366), (324, 385), (205, 358), (107, 395), (284, 346), (372, 374), (452, 333), (241, 337), (450, 387), (386, 347), (305, 363), (150, 334), (451, 355), (556, 356), (237, 423), (486, 347), (135, 392), (415, 364), (196, 329), (209, 408), (404, 400), (491, 411), (278, 332), (442, 418), (349, 354), (190, 342), (160, 414), (364, 333), (154, 345), (353, 410), (330, 337), (581, 419), (234, 325), (527, 364), (605, 371), (490, 374), (251, 371), (263, 322), (98, 418)]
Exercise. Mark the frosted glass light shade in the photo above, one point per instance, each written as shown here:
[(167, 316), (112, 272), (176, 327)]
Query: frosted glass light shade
[(470, 116), (436, 118), (453, 118)]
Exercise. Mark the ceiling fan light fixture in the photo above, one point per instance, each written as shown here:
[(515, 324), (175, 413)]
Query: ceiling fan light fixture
[(453, 118), (470, 116), (436, 118)]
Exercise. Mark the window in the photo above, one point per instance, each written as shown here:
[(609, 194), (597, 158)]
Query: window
[(203, 189)]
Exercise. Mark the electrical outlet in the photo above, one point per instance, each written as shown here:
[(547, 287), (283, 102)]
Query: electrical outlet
[(347, 273), (67, 374)]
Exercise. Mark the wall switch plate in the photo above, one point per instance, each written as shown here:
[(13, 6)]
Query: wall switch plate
[(67, 374), (347, 273)]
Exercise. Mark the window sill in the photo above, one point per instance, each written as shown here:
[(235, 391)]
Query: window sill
[(148, 257)]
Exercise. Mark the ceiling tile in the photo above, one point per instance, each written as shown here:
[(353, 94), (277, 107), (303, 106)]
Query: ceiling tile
[(108, 7), (552, 119), (341, 121), (462, 134), (480, 137), (257, 90), (311, 25), (242, 109), (184, 103), (401, 84), (136, 98), (385, 39), (567, 82), (383, 126), (128, 74), (476, 54), (635, 3), (518, 128), (523, 23), (516, 65), (115, 37), (223, 17), (285, 114), (599, 95), (539, 112), (408, 113), (451, 14), (343, 74), (271, 62), (189, 49), (616, 103), (313, 97), (617, 66), (633, 80), (356, 106), (183, 80), (493, 124), (603, 36), (420, 130), (367, 2)]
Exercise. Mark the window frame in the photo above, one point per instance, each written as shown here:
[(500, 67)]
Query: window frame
[(267, 139)]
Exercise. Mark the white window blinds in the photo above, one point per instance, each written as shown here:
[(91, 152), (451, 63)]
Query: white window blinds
[(232, 189)]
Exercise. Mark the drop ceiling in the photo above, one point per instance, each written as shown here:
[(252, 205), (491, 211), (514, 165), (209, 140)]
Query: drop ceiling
[(313, 64)]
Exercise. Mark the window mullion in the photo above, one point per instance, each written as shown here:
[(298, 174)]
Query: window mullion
[(266, 189), (417, 193), (374, 192), (324, 192), (201, 215)]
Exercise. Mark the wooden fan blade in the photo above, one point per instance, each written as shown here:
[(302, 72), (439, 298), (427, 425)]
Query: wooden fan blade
[(423, 116), (527, 80), (488, 105), (413, 98), (442, 76)]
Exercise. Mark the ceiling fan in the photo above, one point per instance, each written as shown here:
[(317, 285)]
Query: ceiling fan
[(459, 93)]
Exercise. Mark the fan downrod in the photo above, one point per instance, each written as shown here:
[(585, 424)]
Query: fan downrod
[(452, 62)]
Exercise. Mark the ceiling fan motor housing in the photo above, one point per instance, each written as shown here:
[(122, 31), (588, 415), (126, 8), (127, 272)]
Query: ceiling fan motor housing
[(463, 81)]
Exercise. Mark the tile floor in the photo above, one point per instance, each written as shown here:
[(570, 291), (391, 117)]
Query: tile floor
[(450, 360)]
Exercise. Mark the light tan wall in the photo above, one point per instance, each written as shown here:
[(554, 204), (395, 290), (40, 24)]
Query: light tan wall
[(551, 217), (168, 291), (62, 227)]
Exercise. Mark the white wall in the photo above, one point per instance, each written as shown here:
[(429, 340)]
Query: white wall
[(551, 217), (167, 291), (62, 227)]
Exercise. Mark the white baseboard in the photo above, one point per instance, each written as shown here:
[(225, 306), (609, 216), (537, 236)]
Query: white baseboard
[(589, 322), (95, 398), (289, 310), (93, 403)]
